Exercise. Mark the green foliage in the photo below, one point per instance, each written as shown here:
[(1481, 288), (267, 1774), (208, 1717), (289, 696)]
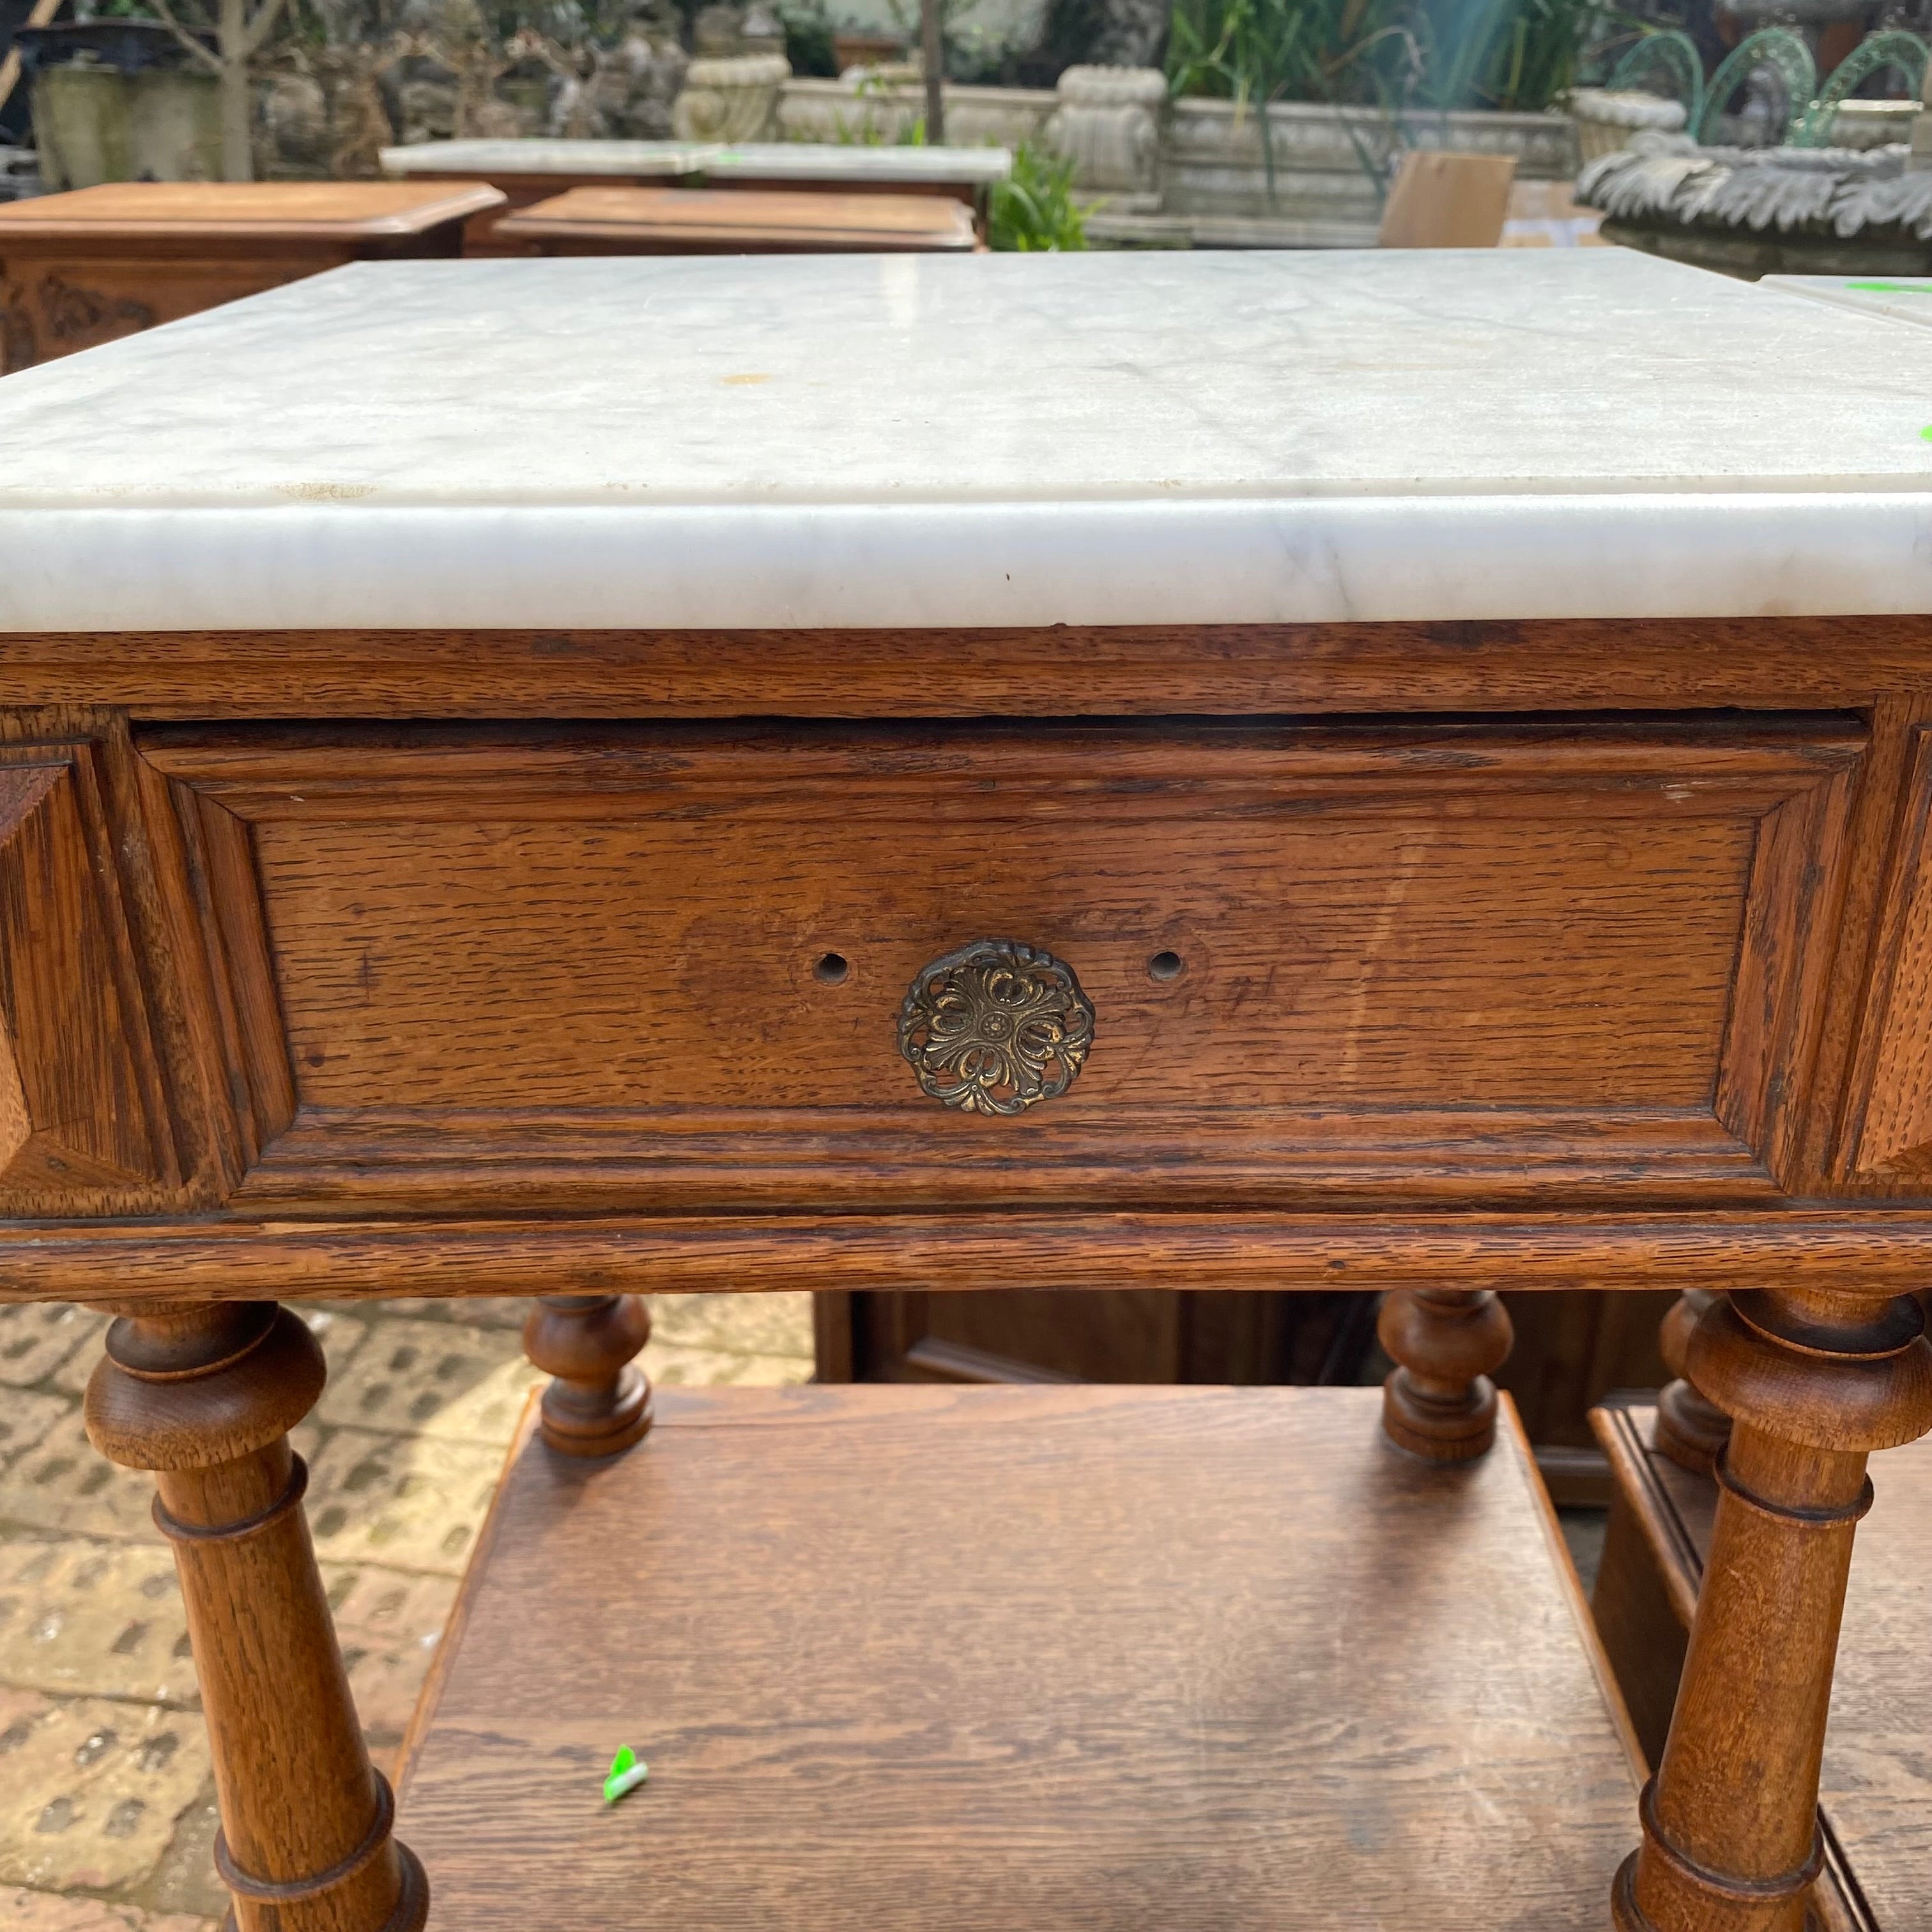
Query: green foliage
[(870, 131), (808, 32), (1397, 55), (1033, 210)]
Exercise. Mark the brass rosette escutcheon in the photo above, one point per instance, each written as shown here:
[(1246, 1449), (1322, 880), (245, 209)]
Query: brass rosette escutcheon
[(996, 1027)]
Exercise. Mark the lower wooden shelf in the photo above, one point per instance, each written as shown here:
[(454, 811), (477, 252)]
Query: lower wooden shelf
[(1876, 1792), (1003, 1658)]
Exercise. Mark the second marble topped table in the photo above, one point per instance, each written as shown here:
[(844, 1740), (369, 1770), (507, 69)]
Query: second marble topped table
[(527, 171)]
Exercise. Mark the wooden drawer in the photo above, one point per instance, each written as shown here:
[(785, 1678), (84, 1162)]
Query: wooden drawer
[(514, 969)]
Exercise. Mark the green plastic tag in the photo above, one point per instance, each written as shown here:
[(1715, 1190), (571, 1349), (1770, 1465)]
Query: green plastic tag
[(626, 1773)]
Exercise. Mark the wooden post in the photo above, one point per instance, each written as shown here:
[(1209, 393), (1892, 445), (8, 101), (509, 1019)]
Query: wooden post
[(1814, 1381), (1690, 1428), (1439, 1402), (600, 1401), (932, 59), (205, 1396)]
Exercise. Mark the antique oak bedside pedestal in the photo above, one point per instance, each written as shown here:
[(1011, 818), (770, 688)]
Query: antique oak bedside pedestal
[(80, 269), (1365, 772)]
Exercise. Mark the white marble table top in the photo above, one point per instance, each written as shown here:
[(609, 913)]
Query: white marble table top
[(656, 160), (807, 161), (1904, 297), (990, 439), (643, 161)]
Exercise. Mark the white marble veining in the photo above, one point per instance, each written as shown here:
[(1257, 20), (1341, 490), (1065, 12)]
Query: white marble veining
[(642, 160), (808, 161), (1904, 299), (975, 440)]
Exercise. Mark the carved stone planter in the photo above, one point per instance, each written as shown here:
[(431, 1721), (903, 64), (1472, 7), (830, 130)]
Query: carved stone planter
[(1752, 212), (1605, 120), (735, 99), (861, 106), (95, 125), (1108, 124)]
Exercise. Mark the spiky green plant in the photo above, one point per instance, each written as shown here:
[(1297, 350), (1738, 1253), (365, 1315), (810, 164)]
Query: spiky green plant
[(1394, 54), (1033, 210)]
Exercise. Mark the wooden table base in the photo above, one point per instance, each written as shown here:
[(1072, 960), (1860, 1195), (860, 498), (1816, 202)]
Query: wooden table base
[(1814, 1382), (205, 1397), (1875, 1789)]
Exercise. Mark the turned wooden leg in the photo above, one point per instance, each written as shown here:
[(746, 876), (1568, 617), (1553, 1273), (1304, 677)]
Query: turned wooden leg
[(1439, 1401), (1690, 1428), (205, 1397), (599, 1401), (1813, 1380)]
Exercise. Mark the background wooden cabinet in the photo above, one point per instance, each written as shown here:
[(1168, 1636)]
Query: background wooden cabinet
[(1573, 1346), (1102, 1335)]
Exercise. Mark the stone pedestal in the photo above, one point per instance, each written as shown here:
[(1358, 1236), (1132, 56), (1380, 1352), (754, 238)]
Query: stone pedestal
[(1606, 118), (1108, 124), (731, 100)]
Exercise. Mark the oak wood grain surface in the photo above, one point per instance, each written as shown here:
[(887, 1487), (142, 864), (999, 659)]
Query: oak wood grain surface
[(206, 1259), (995, 1658), (480, 235), (1764, 664), (252, 213), (1876, 1791)]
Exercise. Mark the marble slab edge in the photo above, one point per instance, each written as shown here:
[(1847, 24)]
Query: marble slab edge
[(730, 566)]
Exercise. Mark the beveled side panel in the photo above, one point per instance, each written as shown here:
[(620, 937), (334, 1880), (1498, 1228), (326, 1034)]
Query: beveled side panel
[(1891, 1126), (83, 1122), (520, 969)]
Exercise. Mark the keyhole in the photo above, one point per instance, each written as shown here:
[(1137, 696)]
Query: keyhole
[(1164, 966), (832, 968)]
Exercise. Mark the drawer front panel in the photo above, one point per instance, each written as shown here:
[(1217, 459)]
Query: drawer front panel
[(663, 968)]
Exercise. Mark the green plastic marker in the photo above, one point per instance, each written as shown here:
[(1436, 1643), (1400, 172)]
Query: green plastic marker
[(1890, 288), (626, 1773)]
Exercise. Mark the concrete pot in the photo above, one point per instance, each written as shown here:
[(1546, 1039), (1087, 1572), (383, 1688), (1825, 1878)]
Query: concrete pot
[(1605, 120), (95, 124), (860, 108), (735, 99)]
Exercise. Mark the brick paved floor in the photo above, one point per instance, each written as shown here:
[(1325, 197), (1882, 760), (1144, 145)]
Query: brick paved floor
[(107, 1807)]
